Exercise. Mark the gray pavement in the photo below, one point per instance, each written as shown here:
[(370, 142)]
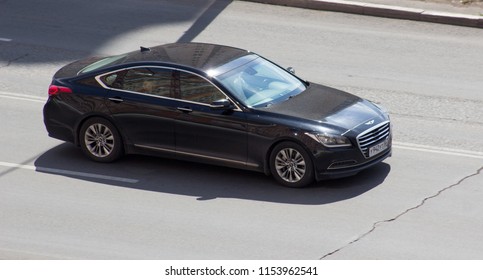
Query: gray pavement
[(463, 15), (424, 202)]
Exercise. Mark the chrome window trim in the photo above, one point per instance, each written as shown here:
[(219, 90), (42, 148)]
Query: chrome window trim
[(98, 79)]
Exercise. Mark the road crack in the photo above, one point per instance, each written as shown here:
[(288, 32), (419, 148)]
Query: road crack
[(13, 60), (378, 223)]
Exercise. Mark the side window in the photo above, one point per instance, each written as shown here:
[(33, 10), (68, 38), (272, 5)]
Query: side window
[(196, 89), (155, 81), (114, 80)]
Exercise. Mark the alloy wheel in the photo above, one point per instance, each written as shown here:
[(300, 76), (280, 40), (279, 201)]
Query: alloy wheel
[(99, 140), (290, 165)]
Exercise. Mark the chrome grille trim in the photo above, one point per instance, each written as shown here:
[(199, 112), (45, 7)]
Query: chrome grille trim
[(372, 136)]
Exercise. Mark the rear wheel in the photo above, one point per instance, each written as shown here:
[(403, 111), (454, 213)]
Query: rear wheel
[(291, 165), (100, 140)]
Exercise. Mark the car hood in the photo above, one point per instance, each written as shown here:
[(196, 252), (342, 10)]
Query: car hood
[(329, 106)]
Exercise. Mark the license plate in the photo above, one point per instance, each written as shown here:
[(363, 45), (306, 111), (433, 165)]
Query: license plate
[(376, 149)]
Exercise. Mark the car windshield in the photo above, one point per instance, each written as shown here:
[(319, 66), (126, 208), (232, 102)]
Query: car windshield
[(256, 82)]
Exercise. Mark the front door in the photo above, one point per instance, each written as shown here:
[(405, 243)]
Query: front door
[(204, 132)]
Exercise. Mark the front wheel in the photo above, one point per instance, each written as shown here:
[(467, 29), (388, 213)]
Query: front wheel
[(291, 165), (100, 140)]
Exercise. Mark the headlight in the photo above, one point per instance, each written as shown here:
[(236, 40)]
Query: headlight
[(330, 140)]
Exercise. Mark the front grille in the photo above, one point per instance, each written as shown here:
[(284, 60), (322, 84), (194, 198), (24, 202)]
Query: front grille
[(372, 136)]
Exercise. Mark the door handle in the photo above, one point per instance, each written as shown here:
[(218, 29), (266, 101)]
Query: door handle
[(116, 99), (185, 109)]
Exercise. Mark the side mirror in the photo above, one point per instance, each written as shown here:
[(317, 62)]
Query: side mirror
[(291, 70), (222, 104)]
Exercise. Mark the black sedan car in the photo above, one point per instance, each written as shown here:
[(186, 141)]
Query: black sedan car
[(219, 105)]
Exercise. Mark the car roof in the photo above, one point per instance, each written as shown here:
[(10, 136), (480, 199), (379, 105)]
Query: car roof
[(201, 56)]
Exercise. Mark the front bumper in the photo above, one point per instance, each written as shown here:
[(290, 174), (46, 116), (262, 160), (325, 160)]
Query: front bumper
[(346, 168)]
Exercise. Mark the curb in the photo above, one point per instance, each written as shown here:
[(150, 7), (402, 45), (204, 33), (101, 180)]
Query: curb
[(379, 10)]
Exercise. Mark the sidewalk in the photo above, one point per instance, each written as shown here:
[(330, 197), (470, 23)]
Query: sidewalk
[(437, 11)]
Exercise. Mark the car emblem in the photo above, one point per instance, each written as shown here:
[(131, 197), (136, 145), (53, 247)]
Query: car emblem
[(369, 122)]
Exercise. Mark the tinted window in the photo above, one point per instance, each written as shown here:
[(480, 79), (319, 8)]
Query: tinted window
[(152, 81), (114, 80), (196, 89), (155, 81)]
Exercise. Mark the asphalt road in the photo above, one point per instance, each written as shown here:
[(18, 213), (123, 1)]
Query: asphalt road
[(423, 203)]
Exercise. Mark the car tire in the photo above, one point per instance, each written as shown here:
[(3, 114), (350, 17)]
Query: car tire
[(100, 140), (291, 165)]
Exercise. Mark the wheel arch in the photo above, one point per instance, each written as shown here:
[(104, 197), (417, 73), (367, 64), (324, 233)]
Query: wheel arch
[(87, 117), (303, 144)]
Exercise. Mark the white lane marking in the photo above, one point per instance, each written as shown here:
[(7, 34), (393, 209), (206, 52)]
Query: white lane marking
[(20, 98), (5, 39), (438, 150), (23, 97), (68, 172)]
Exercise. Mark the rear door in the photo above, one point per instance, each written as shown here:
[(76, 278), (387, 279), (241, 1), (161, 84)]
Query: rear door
[(139, 103)]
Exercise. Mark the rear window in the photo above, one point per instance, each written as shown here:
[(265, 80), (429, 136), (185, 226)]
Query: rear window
[(101, 63)]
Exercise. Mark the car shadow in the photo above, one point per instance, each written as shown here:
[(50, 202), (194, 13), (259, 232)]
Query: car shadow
[(78, 30), (203, 182)]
